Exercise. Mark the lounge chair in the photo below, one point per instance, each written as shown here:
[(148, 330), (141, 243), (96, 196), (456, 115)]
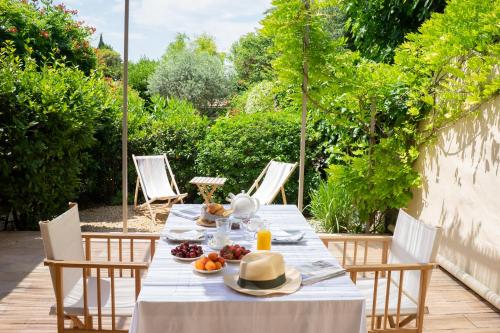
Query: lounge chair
[(91, 302), (390, 303), (154, 182), (275, 174)]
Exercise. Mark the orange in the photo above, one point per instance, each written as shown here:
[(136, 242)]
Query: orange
[(221, 260), (204, 260), (213, 256), (210, 265), (199, 264), (218, 265)]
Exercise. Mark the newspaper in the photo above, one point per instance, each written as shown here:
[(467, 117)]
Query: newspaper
[(319, 271)]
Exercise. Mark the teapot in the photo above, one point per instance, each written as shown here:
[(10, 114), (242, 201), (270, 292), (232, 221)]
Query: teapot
[(243, 205)]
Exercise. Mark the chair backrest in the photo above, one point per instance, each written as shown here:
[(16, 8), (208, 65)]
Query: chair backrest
[(276, 176), (152, 172), (413, 242), (62, 240)]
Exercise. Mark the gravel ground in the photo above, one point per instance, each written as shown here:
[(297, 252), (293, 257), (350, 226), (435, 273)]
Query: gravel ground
[(109, 218)]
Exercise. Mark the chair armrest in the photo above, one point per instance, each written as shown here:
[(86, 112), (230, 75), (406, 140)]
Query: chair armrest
[(352, 238), (96, 264), (120, 235), (390, 267), (385, 240)]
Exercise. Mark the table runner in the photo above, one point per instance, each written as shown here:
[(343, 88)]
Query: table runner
[(173, 298)]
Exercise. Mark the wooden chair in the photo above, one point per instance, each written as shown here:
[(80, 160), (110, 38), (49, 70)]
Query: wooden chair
[(395, 290), (275, 174), (154, 182), (80, 296)]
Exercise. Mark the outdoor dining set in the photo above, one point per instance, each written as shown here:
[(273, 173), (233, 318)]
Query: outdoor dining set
[(245, 266)]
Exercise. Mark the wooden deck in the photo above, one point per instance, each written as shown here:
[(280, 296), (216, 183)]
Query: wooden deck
[(26, 294)]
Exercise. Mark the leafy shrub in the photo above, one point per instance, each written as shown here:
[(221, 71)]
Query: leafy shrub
[(172, 127), (138, 74), (110, 62), (331, 205), (239, 147), (260, 98), (45, 31), (47, 123)]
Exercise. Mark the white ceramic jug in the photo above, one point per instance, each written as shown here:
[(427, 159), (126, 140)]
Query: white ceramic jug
[(243, 205)]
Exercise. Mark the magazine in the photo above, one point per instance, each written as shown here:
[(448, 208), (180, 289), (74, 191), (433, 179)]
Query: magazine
[(319, 271), (187, 213)]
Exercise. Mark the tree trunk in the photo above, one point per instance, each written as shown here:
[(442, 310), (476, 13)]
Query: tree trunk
[(371, 142), (305, 83)]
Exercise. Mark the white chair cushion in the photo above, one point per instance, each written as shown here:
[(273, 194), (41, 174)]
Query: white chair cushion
[(276, 176), (62, 240), (413, 242), (153, 174), (124, 297), (366, 286)]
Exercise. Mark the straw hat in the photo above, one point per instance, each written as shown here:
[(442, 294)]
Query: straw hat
[(264, 273)]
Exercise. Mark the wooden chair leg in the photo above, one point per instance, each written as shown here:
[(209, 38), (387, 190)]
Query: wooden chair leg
[(407, 320), (392, 324), (379, 322), (77, 323), (153, 217), (136, 192), (283, 195)]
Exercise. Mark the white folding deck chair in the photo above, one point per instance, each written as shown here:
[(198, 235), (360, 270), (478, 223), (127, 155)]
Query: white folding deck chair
[(411, 257), (77, 293), (152, 178), (276, 176)]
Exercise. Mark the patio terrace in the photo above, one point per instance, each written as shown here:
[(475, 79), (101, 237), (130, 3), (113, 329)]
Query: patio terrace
[(26, 293)]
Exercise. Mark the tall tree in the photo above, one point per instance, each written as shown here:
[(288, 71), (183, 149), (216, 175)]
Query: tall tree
[(190, 71), (251, 56), (377, 27)]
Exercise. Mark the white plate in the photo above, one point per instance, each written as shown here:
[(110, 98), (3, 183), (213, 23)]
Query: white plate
[(207, 272), (216, 247), (187, 259), (280, 236), (184, 235)]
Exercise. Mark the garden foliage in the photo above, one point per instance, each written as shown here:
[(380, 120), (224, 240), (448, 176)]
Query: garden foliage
[(192, 72), (239, 148), (46, 32), (47, 123)]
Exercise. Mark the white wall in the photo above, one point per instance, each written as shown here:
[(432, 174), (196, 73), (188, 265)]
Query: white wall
[(461, 192)]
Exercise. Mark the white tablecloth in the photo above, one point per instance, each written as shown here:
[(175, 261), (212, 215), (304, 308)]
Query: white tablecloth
[(176, 299)]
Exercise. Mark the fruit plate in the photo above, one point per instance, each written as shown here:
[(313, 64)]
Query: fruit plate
[(207, 272), (187, 259)]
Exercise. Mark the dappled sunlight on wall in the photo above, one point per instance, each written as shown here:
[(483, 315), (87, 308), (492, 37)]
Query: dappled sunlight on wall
[(461, 192)]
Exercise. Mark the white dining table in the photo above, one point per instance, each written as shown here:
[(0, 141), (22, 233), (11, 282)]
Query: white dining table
[(176, 299)]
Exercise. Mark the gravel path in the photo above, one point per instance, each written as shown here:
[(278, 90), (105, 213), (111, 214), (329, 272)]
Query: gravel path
[(109, 218)]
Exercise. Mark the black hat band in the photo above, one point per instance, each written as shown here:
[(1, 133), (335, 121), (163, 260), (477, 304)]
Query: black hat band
[(267, 284)]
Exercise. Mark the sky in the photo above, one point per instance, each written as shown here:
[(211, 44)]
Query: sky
[(154, 23)]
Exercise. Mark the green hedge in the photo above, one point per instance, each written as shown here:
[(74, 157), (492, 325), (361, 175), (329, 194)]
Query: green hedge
[(239, 147), (47, 122)]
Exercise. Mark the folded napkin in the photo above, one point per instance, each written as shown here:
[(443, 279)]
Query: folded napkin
[(287, 236), (183, 235)]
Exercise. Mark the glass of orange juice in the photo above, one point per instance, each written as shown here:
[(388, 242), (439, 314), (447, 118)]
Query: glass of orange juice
[(264, 237)]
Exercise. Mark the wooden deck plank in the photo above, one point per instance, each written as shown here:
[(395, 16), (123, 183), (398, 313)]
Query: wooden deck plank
[(26, 293)]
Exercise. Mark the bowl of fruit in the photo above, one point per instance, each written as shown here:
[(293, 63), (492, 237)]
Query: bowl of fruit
[(187, 252), (233, 253), (210, 264)]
